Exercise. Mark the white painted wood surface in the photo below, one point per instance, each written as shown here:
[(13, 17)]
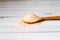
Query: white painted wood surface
[(47, 30), (21, 8)]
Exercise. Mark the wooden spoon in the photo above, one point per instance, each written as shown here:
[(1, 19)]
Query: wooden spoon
[(32, 18)]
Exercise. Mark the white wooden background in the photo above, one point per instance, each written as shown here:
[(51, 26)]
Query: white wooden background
[(49, 30)]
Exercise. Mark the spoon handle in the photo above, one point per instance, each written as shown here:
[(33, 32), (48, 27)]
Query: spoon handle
[(52, 18)]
